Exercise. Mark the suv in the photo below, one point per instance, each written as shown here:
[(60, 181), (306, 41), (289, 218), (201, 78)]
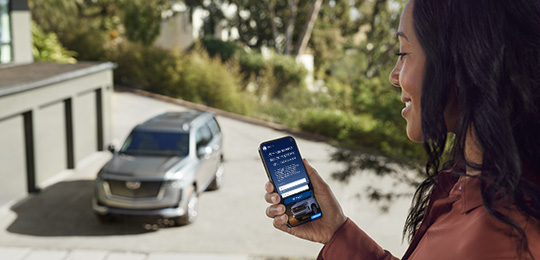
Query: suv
[(304, 207), (162, 167)]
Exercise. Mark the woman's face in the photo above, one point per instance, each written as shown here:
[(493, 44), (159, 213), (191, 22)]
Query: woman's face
[(408, 73)]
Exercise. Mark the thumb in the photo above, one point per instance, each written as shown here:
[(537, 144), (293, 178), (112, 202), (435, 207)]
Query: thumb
[(314, 176)]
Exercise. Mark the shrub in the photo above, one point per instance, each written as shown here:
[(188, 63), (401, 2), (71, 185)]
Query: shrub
[(206, 80), (88, 42), (224, 49), (287, 73), (336, 124), (147, 67), (48, 48)]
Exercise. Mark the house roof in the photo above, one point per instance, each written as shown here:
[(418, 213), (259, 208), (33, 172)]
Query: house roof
[(20, 78)]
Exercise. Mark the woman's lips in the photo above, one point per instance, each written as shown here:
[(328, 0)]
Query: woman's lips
[(407, 106)]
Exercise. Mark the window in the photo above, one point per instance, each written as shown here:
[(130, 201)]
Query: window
[(214, 127), (203, 136), (5, 33), (156, 143)]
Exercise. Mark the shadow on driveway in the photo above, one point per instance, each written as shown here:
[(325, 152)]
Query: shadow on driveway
[(65, 209)]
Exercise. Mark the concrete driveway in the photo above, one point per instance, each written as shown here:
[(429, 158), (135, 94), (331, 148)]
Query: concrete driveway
[(231, 220)]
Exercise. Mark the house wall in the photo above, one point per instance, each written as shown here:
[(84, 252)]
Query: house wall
[(48, 129), (21, 32)]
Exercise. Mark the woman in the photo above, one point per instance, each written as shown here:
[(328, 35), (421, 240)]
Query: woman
[(471, 68)]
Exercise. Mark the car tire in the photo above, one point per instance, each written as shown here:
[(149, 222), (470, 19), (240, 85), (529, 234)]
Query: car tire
[(191, 210), (107, 218), (314, 209), (218, 177)]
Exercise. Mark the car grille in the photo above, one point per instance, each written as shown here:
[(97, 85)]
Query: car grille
[(147, 189), (299, 208)]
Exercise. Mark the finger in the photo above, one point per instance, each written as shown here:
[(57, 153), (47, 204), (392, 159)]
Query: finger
[(312, 173), (275, 210), (269, 187), (280, 222), (272, 198)]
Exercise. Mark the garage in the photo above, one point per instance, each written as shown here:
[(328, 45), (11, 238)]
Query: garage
[(52, 116)]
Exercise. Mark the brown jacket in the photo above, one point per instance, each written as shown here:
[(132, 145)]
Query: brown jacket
[(457, 226)]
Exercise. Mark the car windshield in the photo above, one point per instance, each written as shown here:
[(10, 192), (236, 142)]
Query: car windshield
[(156, 143)]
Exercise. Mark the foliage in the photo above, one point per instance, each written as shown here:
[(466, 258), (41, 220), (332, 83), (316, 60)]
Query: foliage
[(206, 80), (226, 50), (195, 77), (287, 74), (141, 21), (91, 27), (48, 48), (261, 23), (146, 67), (271, 76)]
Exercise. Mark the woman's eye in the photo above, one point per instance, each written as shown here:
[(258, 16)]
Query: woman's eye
[(401, 54)]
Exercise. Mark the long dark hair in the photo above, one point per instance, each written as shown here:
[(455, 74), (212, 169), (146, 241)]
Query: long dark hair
[(487, 55)]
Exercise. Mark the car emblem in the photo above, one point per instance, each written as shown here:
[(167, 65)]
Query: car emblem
[(133, 185)]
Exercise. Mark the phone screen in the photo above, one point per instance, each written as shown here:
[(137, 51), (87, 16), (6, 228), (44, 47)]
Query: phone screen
[(286, 171)]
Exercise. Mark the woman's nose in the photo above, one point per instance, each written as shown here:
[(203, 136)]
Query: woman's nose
[(394, 76)]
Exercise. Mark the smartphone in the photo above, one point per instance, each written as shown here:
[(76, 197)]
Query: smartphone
[(286, 170)]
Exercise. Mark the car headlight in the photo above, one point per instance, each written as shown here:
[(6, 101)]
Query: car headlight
[(174, 176), (176, 183)]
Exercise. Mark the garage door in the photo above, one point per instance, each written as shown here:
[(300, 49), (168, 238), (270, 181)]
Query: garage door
[(85, 124), (12, 159), (50, 141)]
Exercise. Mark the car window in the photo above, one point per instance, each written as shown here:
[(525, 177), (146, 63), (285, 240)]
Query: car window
[(156, 143), (203, 136), (214, 126)]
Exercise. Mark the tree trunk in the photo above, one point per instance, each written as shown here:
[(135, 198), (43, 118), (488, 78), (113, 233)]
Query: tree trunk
[(308, 28), (293, 5), (273, 24)]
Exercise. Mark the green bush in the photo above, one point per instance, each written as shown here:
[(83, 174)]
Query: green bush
[(147, 67), (287, 73), (336, 124), (48, 48), (224, 49), (195, 77), (142, 20), (89, 43), (271, 77), (206, 80)]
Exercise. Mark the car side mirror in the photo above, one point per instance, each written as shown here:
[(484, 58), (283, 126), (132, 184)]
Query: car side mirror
[(111, 148), (204, 151)]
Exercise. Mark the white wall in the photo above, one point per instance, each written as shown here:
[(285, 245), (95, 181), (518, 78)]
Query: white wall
[(50, 141), (22, 37), (49, 127), (84, 124), (176, 33), (12, 158)]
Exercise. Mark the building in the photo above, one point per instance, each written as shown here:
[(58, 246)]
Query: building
[(52, 116)]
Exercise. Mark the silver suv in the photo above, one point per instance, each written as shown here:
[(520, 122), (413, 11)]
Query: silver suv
[(161, 169), (304, 207)]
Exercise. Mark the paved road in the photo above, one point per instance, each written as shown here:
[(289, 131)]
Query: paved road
[(231, 220)]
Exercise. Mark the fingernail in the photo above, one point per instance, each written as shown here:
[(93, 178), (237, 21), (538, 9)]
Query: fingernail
[(274, 199)]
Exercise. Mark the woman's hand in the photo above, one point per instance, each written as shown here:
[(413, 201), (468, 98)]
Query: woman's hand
[(320, 230)]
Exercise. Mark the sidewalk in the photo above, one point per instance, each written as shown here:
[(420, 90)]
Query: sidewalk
[(25, 253)]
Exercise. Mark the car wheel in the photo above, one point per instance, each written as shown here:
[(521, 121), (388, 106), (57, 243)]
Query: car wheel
[(191, 210), (107, 218), (218, 178), (314, 209)]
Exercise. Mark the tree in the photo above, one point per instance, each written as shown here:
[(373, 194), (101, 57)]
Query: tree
[(87, 27), (141, 21), (266, 23)]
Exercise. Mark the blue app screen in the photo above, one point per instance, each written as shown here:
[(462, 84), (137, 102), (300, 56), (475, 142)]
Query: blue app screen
[(284, 164)]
